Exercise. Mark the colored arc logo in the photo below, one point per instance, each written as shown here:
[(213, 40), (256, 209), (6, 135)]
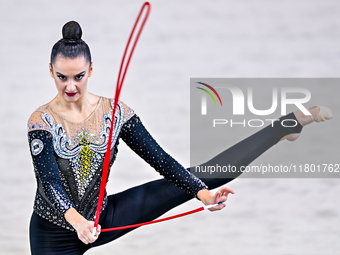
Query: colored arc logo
[(210, 87)]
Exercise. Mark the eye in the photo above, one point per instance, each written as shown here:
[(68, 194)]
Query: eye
[(61, 77), (79, 77)]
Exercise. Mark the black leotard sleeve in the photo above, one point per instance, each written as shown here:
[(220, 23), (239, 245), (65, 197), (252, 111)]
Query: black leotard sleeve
[(135, 135), (49, 183)]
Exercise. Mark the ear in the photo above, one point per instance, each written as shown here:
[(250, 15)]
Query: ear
[(51, 70), (90, 69)]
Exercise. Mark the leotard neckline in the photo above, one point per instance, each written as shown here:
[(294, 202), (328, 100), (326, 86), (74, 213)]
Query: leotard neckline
[(80, 122)]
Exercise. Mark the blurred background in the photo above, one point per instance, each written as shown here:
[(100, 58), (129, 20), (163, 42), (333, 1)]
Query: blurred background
[(181, 40)]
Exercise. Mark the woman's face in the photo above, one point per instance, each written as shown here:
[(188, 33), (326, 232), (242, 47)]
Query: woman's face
[(70, 76)]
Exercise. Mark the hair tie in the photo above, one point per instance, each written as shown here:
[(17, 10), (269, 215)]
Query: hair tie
[(73, 41)]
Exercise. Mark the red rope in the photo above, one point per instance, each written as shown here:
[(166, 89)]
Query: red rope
[(119, 85), (154, 221)]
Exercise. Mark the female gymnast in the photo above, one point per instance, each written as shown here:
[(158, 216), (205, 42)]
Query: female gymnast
[(68, 138)]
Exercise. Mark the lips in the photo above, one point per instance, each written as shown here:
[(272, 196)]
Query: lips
[(71, 94)]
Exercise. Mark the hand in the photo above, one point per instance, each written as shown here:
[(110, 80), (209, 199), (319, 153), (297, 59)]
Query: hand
[(208, 198), (221, 196), (83, 227), (84, 230)]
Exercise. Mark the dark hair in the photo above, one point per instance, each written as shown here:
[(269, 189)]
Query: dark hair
[(71, 45)]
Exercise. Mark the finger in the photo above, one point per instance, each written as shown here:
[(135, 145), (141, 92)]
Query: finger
[(94, 231), (82, 238), (85, 240), (97, 233), (224, 194), (226, 190), (229, 190), (222, 199), (89, 237), (217, 208), (92, 238), (217, 197)]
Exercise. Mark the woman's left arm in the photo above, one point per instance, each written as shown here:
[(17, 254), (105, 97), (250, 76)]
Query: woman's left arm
[(140, 141)]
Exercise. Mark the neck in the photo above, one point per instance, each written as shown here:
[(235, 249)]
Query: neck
[(82, 103)]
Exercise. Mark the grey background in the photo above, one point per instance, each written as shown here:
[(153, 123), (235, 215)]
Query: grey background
[(206, 141), (182, 39)]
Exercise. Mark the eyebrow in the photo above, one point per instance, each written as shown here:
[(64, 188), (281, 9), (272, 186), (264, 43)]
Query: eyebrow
[(81, 73)]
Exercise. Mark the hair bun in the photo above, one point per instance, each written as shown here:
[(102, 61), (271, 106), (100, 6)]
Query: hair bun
[(72, 32)]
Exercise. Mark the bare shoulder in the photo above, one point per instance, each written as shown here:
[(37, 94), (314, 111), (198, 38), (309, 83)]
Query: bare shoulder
[(94, 99)]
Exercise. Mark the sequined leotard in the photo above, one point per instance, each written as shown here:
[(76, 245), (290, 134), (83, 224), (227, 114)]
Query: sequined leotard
[(68, 160)]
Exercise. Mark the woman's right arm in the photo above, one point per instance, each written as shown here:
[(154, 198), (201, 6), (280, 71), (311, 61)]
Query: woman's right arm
[(49, 180)]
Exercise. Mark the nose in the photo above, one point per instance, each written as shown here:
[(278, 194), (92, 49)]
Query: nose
[(71, 86)]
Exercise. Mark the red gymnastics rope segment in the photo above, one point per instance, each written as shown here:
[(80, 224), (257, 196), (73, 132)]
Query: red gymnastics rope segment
[(164, 219), (119, 85), (154, 221)]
